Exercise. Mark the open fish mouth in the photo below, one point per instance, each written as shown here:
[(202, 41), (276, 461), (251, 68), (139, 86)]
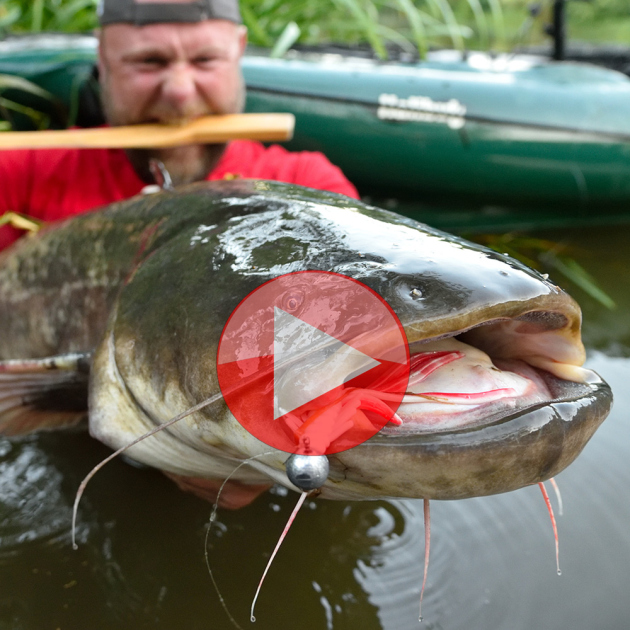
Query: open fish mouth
[(455, 385)]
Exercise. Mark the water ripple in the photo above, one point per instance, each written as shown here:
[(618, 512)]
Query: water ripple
[(32, 505)]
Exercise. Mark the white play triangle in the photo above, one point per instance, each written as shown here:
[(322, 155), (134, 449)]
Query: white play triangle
[(308, 363)]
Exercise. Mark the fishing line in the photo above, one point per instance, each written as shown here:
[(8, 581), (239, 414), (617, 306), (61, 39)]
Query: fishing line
[(165, 425), (213, 516)]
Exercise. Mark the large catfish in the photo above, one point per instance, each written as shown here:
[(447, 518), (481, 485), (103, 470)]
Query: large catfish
[(128, 303)]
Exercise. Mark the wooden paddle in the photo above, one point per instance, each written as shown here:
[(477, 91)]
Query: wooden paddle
[(206, 130)]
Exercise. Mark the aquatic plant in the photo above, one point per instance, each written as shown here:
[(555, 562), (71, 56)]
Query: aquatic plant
[(35, 16), (409, 25), (9, 107), (547, 256), (412, 26)]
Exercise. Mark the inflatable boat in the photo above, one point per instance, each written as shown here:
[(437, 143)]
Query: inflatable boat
[(457, 130)]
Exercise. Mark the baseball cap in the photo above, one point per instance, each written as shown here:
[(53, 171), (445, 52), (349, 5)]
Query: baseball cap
[(141, 13)]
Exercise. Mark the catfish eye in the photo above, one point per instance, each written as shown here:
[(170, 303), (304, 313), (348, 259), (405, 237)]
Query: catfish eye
[(292, 301)]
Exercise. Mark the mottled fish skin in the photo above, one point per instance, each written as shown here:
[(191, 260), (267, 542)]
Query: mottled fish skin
[(151, 282)]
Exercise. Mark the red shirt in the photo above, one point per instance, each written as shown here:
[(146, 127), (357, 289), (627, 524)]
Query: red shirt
[(54, 184)]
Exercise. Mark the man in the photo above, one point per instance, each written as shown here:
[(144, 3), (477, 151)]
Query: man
[(159, 62)]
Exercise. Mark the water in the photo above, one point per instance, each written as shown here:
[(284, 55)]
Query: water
[(140, 562)]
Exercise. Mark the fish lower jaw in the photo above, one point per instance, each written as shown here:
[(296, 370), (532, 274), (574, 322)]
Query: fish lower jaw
[(436, 417)]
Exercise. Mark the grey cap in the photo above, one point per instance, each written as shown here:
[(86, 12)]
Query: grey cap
[(142, 13)]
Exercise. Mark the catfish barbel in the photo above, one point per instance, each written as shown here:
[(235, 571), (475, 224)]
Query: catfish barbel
[(117, 315)]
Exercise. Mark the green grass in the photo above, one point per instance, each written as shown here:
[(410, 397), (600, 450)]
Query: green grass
[(9, 106), (34, 16), (412, 24)]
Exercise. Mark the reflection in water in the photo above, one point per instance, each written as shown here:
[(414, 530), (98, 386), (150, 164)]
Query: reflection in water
[(29, 487), (344, 565)]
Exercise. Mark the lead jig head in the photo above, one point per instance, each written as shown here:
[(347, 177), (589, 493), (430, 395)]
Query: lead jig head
[(307, 472)]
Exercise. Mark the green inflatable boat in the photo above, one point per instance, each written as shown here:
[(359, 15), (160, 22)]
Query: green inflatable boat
[(480, 131)]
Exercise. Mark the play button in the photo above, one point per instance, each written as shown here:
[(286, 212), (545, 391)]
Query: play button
[(313, 362), (299, 347)]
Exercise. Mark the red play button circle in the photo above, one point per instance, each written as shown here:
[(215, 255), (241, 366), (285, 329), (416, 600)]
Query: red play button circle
[(313, 362)]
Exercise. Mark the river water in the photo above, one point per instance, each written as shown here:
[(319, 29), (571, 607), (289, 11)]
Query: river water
[(140, 563)]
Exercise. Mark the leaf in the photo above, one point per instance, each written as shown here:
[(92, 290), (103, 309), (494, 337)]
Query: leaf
[(9, 81), (38, 16), (417, 26), (368, 25), (9, 16), (497, 18), (480, 20), (450, 22), (289, 36), (71, 14), (572, 270), (257, 32), (39, 118)]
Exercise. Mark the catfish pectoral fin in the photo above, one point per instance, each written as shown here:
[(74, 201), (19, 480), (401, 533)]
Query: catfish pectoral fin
[(43, 394), (234, 494)]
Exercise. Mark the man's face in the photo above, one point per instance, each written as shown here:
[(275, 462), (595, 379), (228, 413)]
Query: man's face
[(172, 73)]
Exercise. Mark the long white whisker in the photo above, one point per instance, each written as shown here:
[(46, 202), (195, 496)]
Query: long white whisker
[(427, 552), (296, 509), (556, 489), (153, 431)]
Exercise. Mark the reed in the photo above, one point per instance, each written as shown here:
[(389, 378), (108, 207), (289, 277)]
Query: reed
[(8, 106), (410, 24), (34, 16), (413, 25)]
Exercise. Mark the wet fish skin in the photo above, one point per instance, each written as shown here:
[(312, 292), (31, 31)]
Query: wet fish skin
[(150, 283)]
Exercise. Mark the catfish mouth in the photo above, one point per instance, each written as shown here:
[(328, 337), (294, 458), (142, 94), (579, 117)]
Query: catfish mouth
[(461, 381), (490, 372)]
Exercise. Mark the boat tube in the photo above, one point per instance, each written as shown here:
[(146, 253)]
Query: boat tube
[(474, 128)]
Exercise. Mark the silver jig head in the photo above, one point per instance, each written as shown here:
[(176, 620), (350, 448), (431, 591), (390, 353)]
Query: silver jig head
[(307, 472)]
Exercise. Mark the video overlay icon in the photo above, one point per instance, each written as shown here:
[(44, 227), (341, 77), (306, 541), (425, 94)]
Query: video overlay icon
[(313, 363)]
